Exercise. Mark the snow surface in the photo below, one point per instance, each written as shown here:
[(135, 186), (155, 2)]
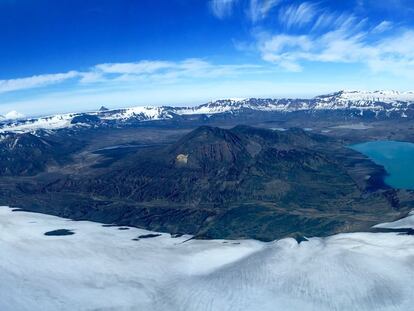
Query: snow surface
[(405, 223), (102, 268), (380, 95), (45, 123), (365, 100), (146, 113)]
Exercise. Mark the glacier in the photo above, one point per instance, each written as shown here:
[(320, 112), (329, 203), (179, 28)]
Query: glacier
[(105, 268)]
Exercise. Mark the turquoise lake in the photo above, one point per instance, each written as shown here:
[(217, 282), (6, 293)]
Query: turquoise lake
[(396, 157)]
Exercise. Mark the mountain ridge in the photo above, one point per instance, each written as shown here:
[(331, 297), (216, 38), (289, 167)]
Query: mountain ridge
[(369, 104)]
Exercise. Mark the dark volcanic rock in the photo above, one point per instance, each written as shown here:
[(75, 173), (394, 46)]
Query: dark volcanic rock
[(59, 232), (147, 236), (86, 119), (28, 154)]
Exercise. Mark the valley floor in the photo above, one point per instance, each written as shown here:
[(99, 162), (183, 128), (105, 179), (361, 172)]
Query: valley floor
[(119, 268)]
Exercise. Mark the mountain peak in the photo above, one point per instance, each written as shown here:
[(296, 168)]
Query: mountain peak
[(204, 135), (11, 115), (208, 146)]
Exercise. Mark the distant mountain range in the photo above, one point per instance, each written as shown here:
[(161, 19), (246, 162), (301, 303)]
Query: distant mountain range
[(376, 105)]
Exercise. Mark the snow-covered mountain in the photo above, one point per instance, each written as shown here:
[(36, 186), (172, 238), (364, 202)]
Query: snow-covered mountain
[(374, 104), (376, 101), (375, 96)]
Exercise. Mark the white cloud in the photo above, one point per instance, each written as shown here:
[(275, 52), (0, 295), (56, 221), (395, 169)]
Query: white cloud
[(329, 37), (140, 67), (162, 71), (393, 54), (276, 50), (297, 15), (92, 77), (256, 10), (143, 72), (324, 20), (222, 8), (35, 81), (383, 26), (279, 43), (340, 39), (259, 9), (332, 20)]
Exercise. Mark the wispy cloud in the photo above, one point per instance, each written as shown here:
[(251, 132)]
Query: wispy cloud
[(167, 71), (276, 49), (259, 9), (297, 15), (383, 26), (144, 71), (142, 67), (222, 8), (256, 10), (349, 42), (332, 20), (145, 82), (36, 81), (332, 37), (310, 32)]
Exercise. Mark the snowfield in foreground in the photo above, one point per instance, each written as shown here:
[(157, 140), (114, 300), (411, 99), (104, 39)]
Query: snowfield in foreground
[(103, 268)]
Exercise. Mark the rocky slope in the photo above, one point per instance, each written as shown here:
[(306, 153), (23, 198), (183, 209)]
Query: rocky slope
[(220, 183)]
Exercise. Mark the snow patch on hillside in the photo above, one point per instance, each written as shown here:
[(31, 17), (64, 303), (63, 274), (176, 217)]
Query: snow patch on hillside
[(143, 113), (405, 223), (380, 95)]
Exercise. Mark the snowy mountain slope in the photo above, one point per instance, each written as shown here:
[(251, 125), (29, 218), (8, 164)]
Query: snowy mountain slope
[(378, 100), (375, 96), (105, 268), (44, 123), (387, 103)]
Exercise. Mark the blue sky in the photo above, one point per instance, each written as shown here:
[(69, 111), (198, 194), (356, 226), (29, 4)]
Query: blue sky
[(71, 55)]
